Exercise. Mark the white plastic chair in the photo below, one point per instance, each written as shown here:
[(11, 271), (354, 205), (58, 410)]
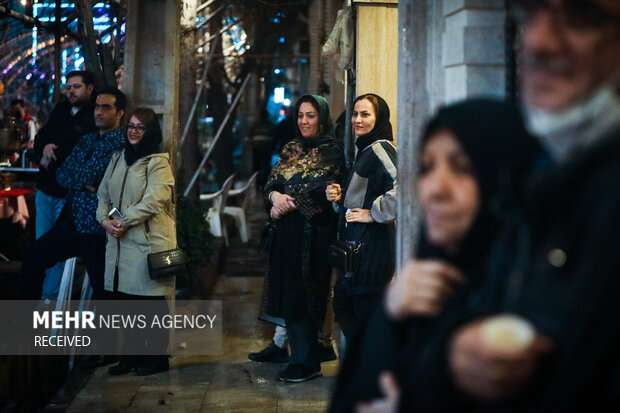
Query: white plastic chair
[(63, 302), (215, 215), (238, 212)]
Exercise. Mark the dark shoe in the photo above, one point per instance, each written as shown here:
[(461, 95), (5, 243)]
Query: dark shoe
[(125, 365), (92, 362), (153, 365), (121, 368), (270, 354), (296, 373), (327, 353)]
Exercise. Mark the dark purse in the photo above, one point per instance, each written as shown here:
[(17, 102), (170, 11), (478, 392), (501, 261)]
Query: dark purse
[(343, 256), (267, 234), (164, 264)]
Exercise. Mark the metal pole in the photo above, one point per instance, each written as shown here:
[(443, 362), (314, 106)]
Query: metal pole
[(222, 31), (204, 6), (109, 29), (51, 27), (217, 136), (232, 47), (413, 110), (57, 53), (203, 81), (208, 19), (349, 144)]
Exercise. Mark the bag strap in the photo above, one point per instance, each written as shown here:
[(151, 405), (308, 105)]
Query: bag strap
[(116, 162), (146, 223), (114, 168)]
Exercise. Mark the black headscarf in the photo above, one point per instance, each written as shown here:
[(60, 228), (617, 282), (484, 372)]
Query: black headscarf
[(501, 151), (149, 144), (382, 128)]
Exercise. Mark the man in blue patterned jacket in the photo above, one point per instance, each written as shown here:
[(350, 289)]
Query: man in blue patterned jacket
[(76, 232)]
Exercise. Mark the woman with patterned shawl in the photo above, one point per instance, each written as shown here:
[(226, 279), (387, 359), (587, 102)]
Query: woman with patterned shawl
[(297, 286)]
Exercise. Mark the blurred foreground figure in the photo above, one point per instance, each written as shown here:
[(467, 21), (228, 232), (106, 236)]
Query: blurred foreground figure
[(559, 265), (465, 196), (566, 275)]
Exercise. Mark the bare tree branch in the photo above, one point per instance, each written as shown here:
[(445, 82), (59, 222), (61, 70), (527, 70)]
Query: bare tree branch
[(54, 27), (89, 44)]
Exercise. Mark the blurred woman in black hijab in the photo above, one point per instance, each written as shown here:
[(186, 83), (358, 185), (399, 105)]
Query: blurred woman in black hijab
[(474, 158)]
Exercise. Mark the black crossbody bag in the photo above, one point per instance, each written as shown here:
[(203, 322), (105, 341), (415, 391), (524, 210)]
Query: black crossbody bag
[(169, 263), (165, 264), (343, 256)]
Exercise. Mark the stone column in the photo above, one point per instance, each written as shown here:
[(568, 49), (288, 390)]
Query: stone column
[(413, 110), (334, 76), (189, 70), (316, 23), (152, 52), (474, 48)]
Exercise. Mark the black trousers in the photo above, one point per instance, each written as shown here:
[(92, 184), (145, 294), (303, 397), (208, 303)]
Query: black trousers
[(152, 342), (302, 337), (60, 243), (352, 310)]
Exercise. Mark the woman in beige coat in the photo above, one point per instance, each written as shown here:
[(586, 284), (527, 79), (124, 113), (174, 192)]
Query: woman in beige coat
[(139, 184)]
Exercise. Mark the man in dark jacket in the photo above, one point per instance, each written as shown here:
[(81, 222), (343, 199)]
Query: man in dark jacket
[(77, 232), (569, 284), (69, 120)]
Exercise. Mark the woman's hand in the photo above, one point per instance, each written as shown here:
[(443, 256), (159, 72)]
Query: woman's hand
[(421, 289), (359, 215), (114, 227), (282, 203), (274, 214), (391, 396), (488, 372), (333, 192), (45, 161)]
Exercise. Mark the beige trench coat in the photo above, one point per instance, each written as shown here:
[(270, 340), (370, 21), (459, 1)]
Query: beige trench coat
[(143, 193)]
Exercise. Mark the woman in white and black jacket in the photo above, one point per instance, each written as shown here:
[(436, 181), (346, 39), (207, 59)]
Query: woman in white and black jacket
[(367, 213)]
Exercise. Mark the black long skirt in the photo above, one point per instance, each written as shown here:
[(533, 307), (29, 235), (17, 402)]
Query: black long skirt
[(299, 275)]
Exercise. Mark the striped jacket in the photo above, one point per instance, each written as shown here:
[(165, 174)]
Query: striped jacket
[(372, 185)]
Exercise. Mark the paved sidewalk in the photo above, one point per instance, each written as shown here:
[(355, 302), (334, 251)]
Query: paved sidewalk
[(224, 383)]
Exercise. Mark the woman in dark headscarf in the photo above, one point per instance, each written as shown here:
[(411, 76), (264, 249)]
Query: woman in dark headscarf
[(298, 280), (139, 185), (367, 213), (474, 158)]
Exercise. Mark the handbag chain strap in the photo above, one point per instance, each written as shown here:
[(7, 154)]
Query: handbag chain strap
[(173, 201)]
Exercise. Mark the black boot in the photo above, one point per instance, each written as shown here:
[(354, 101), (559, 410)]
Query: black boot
[(296, 373), (152, 365), (125, 365), (327, 353), (270, 354), (92, 362)]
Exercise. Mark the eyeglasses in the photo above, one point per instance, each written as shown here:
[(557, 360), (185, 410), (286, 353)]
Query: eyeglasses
[(573, 14), (137, 128)]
